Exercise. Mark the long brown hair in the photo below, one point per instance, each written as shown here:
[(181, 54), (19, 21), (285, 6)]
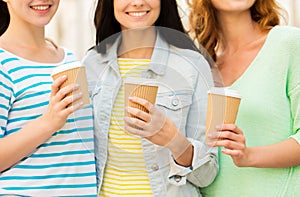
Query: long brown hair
[(4, 17), (108, 28), (205, 27)]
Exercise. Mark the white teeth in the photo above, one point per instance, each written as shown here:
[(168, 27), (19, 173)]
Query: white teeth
[(41, 7), (137, 13)]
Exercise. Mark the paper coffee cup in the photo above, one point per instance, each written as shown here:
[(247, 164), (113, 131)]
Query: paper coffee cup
[(222, 108), (76, 74), (142, 88)]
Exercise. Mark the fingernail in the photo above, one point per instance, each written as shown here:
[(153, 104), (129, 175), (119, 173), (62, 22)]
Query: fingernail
[(64, 77), (80, 94), (130, 98), (77, 106), (80, 103), (129, 108), (218, 127)]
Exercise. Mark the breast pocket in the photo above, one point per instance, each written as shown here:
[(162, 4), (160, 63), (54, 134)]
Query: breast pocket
[(175, 105)]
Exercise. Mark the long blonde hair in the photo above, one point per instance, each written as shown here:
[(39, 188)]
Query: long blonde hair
[(205, 27)]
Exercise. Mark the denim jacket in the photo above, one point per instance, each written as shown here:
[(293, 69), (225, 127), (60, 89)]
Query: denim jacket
[(184, 77)]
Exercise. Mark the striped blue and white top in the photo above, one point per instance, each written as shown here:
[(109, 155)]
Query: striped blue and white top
[(62, 166)]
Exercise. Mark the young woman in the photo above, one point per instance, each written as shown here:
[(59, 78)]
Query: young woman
[(261, 60), (160, 153), (40, 154)]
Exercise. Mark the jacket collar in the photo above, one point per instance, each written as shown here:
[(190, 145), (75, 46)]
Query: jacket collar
[(159, 59), (160, 56)]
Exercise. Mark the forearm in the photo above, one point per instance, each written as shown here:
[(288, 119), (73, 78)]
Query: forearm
[(186, 158), (20, 144), (280, 155), (180, 147)]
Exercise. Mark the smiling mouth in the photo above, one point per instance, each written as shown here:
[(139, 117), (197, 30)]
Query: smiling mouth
[(137, 14), (41, 7)]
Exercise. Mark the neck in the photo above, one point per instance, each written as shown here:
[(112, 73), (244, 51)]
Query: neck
[(19, 34), (28, 41), (137, 43), (237, 30)]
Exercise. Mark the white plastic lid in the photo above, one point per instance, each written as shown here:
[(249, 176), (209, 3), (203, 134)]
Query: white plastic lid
[(224, 91), (65, 67)]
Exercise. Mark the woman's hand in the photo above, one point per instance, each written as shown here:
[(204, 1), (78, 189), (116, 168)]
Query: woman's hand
[(160, 130), (233, 140), (154, 126), (20, 144), (60, 107)]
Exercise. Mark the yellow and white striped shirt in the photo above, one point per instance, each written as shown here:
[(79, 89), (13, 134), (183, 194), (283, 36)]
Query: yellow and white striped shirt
[(125, 172)]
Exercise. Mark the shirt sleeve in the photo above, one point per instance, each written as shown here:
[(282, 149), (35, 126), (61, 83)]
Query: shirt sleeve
[(6, 94), (204, 166), (293, 84), (295, 111)]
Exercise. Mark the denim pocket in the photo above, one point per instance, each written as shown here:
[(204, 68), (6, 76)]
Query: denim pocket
[(175, 100), (175, 105)]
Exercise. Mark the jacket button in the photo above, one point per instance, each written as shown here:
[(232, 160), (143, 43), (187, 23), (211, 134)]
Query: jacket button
[(155, 167), (177, 178), (175, 102)]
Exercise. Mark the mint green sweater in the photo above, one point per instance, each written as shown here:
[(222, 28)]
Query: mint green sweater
[(269, 113)]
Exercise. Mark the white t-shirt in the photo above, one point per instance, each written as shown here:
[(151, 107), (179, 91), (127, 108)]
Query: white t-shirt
[(64, 165)]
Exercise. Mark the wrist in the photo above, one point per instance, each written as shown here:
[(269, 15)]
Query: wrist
[(186, 158), (248, 159), (252, 157), (181, 148), (178, 145), (45, 125)]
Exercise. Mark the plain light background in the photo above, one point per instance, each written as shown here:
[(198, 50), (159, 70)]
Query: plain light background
[(72, 26)]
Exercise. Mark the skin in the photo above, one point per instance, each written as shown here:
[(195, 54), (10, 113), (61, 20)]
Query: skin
[(241, 41), (25, 38), (25, 35), (133, 14), (136, 18), (159, 130)]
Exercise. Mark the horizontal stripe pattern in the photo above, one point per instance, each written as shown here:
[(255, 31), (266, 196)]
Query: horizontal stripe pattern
[(64, 165), (50, 187), (48, 176), (125, 172), (56, 165)]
